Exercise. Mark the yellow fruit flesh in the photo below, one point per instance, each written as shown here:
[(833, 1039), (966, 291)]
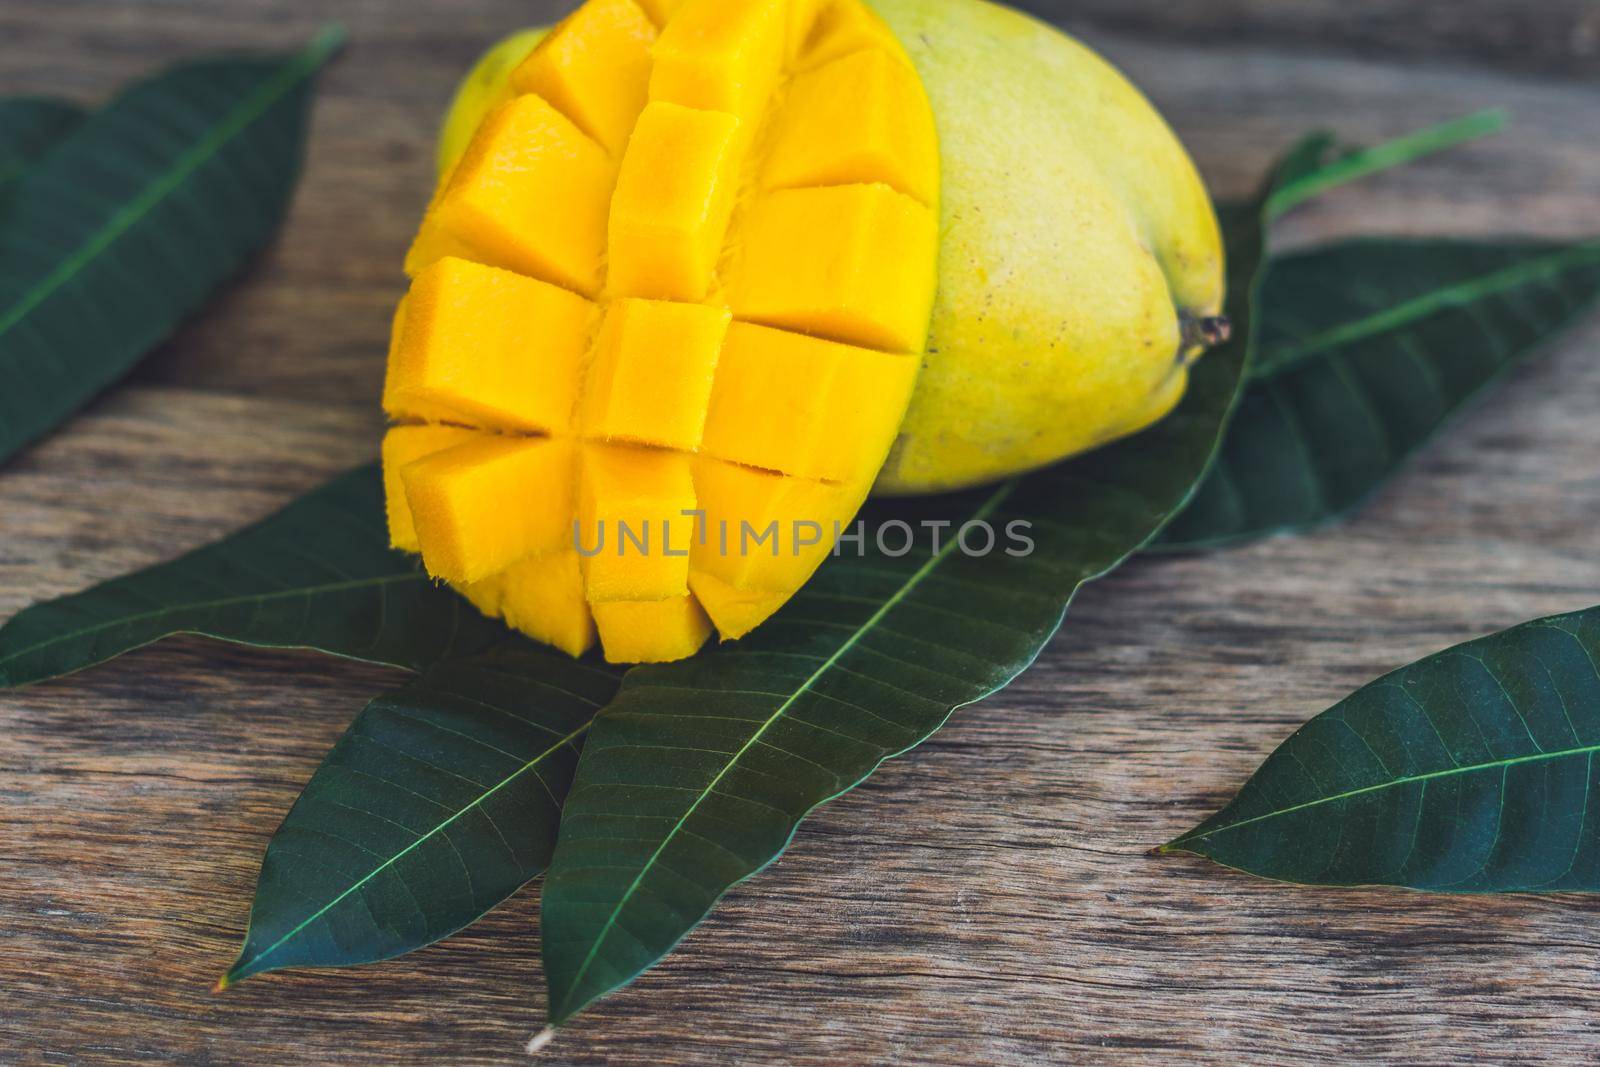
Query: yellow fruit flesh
[(678, 281)]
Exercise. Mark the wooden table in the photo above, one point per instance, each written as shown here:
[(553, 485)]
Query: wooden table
[(987, 899)]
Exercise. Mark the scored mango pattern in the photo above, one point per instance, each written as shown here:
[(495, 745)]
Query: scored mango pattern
[(687, 266)]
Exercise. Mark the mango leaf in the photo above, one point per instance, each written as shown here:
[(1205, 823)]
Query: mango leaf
[(698, 774), (132, 221), (318, 575), (1369, 347), (29, 126), (1469, 771), (440, 801)]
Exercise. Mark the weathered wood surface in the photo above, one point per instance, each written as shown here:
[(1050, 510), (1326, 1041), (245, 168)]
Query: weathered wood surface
[(986, 899)]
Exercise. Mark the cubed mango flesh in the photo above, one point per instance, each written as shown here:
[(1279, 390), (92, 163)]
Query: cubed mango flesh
[(651, 631), (652, 370), (485, 347), (666, 317), (855, 121), (543, 597), (844, 27), (530, 195), (403, 445), (483, 505), (594, 68), (721, 55), (765, 531), (635, 522), (673, 200), (840, 409), (845, 262)]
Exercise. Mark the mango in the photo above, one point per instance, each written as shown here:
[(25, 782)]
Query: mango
[(907, 248), (676, 281), (1080, 262)]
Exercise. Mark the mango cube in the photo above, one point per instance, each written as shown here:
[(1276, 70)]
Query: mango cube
[(481, 506), (635, 523), (734, 612), (487, 595), (531, 195), (594, 68), (843, 27), (660, 11), (543, 598), (856, 120), (674, 195), (721, 55), (852, 262), (486, 347), (651, 376), (651, 631), (403, 445), (840, 412), (763, 531)]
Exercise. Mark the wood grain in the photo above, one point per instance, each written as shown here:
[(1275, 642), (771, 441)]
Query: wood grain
[(986, 899)]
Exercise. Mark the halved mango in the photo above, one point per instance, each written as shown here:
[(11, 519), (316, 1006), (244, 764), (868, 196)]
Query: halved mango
[(652, 371), (594, 68), (839, 411), (483, 505), (677, 287), (486, 347), (851, 262)]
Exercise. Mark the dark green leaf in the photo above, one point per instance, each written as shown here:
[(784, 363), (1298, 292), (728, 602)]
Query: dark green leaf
[(319, 575), (1368, 348), (131, 222), (29, 126), (696, 776), (1466, 772), (440, 801)]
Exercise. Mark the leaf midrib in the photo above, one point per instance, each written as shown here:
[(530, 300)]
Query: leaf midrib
[(245, 113), (1395, 783), (912, 581), (205, 605), (1420, 307), (478, 801)]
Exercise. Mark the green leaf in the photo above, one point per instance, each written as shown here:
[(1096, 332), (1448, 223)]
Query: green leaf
[(1365, 162), (131, 222), (698, 774), (1469, 771), (1367, 349), (440, 801), (317, 575), (30, 126)]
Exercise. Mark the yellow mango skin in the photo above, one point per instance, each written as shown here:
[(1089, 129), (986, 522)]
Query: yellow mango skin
[(1075, 236)]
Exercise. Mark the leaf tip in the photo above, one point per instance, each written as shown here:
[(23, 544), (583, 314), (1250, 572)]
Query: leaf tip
[(328, 42), (538, 1041), (223, 984)]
